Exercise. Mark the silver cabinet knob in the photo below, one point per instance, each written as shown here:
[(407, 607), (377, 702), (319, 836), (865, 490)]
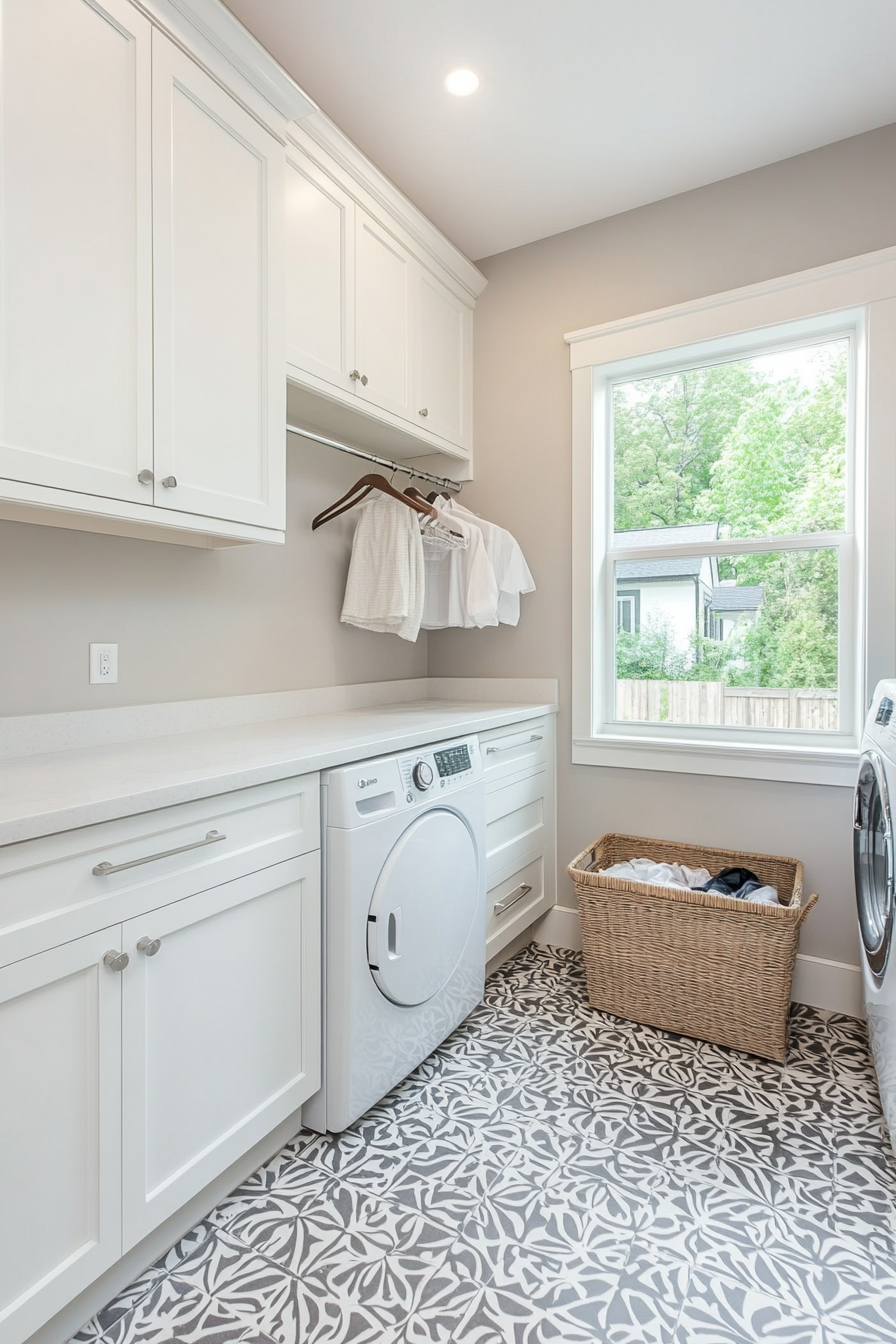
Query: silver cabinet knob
[(354, 375), (149, 946), (116, 961), (169, 482), (145, 477), (424, 412)]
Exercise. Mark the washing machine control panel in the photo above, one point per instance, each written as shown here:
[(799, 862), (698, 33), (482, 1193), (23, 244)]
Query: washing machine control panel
[(367, 791), (438, 770)]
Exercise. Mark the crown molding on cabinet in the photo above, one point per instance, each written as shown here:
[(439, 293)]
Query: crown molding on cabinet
[(213, 33), (316, 130)]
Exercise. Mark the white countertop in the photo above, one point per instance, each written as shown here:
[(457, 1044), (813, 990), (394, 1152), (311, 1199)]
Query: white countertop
[(61, 790)]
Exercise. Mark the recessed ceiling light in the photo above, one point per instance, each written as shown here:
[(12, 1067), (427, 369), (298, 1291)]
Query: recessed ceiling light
[(462, 82)]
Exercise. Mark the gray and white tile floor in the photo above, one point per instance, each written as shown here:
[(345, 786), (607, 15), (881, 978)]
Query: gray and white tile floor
[(552, 1173)]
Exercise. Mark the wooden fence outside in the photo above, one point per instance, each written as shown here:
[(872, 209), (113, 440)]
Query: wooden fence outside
[(713, 702)]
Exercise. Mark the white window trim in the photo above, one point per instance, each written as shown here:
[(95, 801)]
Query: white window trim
[(857, 294)]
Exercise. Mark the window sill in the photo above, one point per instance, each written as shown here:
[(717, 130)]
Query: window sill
[(790, 764)]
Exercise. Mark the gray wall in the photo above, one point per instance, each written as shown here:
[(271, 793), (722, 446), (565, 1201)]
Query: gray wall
[(189, 622), (835, 202)]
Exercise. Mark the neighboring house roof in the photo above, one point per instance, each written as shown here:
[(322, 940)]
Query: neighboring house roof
[(665, 536), (673, 567), (732, 598), (669, 567)]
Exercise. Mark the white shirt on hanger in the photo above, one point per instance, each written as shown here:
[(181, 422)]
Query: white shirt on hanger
[(511, 572), (461, 589), (384, 589)]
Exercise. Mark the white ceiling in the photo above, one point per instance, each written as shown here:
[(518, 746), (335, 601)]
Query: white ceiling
[(587, 107)]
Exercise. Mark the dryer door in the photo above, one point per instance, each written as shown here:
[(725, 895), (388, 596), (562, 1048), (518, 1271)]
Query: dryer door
[(423, 908), (873, 860)]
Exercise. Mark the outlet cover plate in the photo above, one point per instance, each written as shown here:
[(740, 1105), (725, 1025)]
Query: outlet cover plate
[(103, 664)]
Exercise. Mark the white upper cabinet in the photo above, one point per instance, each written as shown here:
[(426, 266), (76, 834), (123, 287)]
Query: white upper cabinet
[(142, 344), (379, 319), (76, 269), (220, 400), (383, 317), (320, 221), (444, 349)]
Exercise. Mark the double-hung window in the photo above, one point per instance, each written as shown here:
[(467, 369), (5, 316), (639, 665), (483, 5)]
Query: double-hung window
[(734, 576)]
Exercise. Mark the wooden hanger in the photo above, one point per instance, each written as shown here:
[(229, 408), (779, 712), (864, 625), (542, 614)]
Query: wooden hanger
[(372, 481)]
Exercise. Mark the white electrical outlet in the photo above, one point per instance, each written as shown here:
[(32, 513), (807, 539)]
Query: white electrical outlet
[(103, 663)]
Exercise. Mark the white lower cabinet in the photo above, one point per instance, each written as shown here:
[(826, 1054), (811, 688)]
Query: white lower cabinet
[(138, 1062), (60, 1129), (220, 1022), (520, 834)]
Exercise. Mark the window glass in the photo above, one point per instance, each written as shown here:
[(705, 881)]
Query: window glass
[(749, 448), (750, 640)]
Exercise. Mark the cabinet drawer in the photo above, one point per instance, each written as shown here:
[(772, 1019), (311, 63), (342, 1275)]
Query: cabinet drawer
[(514, 750), (511, 907), (51, 891), (515, 821)]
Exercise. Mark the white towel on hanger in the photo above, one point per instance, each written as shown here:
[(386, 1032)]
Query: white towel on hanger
[(461, 589), (384, 589), (512, 574)]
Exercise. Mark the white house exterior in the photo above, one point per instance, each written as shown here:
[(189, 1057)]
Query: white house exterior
[(683, 593)]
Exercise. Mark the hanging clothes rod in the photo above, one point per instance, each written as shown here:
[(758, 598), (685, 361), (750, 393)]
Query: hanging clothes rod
[(444, 481)]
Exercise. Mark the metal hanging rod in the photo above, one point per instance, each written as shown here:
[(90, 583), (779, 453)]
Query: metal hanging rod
[(444, 481)]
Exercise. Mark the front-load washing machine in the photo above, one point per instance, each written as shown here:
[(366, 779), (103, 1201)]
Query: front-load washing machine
[(875, 870), (404, 918)]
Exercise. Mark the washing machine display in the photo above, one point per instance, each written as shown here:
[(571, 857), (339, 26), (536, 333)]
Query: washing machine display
[(452, 761)]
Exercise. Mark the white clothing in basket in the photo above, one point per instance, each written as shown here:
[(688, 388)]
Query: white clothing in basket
[(660, 874), (385, 585)]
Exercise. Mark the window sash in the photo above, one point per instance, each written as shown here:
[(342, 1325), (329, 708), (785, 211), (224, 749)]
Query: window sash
[(847, 543)]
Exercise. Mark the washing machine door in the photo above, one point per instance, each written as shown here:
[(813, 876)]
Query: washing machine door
[(423, 908), (873, 861)]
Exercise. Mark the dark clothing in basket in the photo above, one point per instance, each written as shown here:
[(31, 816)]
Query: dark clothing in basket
[(739, 882)]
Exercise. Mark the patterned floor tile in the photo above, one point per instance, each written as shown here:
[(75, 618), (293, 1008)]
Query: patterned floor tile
[(554, 1173), (174, 1310), (718, 1311), (648, 1299)]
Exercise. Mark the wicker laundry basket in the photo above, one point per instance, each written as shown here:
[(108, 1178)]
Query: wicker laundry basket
[(691, 962)]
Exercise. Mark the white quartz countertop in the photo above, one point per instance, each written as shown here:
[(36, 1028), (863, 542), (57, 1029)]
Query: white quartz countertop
[(61, 790)]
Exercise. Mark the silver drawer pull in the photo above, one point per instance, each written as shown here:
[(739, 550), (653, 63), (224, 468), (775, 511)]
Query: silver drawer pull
[(116, 961), (516, 895), (149, 946), (493, 751), (104, 869)]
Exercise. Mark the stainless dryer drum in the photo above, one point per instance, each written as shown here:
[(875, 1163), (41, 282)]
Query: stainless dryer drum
[(873, 860)]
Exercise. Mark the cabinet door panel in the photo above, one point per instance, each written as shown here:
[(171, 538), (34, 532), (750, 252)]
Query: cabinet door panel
[(444, 334), (76, 269), (319, 273), (60, 1155), (221, 1032), (219, 351), (382, 317)]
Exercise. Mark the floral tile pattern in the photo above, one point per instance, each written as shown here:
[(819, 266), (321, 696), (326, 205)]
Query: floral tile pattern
[(552, 1173)]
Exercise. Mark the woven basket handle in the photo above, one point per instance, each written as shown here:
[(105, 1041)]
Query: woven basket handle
[(807, 907)]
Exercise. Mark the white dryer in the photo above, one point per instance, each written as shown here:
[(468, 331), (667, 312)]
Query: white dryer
[(875, 872), (404, 918)]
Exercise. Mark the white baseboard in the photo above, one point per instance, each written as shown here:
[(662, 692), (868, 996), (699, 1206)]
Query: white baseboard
[(832, 985)]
